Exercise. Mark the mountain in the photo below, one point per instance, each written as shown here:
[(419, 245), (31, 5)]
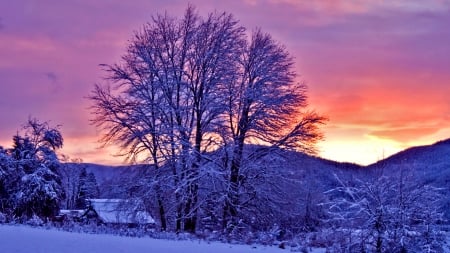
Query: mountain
[(431, 163), (292, 163), (428, 164), (106, 173)]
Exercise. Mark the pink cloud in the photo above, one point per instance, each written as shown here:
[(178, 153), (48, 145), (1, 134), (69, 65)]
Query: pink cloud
[(405, 134)]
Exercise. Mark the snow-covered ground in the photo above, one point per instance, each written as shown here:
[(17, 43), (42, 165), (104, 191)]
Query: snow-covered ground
[(23, 239)]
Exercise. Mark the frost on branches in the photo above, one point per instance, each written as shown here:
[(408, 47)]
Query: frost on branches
[(29, 182), (188, 89), (389, 214)]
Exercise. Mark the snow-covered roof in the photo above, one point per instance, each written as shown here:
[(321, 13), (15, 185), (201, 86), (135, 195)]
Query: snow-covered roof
[(73, 212), (120, 211)]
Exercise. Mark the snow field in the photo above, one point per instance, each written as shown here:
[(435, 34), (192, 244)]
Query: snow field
[(23, 239)]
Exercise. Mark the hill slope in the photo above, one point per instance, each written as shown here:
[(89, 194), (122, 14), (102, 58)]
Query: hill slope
[(431, 163)]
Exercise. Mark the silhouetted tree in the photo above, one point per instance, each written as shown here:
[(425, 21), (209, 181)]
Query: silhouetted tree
[(265, 105), (189, 86)]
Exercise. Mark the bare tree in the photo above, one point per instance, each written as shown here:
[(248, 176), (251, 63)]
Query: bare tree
[(169, 83), (190, 86), (266, 106), (70, 171)]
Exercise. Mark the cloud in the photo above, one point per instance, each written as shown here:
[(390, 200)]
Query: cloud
[(345, 7), (51, 76), (89, 149), (53, 87), (329, 7), (406, 135)]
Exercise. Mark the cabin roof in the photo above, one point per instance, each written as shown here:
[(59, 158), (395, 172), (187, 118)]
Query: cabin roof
[(120, 211)]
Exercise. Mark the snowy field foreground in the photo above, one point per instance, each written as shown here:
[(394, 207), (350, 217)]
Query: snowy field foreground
[(22, 239)]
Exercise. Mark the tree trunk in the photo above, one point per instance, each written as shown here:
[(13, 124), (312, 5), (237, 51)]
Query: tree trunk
[(190, 209), (162, 213), (190, 222), (179, 218), (232, 202)]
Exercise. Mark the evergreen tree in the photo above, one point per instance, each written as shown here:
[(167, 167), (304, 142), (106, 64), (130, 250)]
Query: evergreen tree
[(5, 167), (87, 188), (81, 196), (92, 186), (34, 186), (39, 193)]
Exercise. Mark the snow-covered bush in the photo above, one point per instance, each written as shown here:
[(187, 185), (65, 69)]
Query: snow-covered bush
[(39, 193), (388, 214), (3, 218), (35, 221)]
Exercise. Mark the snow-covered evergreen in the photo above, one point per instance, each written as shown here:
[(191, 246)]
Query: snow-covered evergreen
[(30, 183), (87, 188)]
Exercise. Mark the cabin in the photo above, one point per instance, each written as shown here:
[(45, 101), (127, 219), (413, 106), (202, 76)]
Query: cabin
[(67, 216), (117, 212), (71, 214)]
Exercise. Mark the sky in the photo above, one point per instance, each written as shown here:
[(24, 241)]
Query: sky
[(379, 70)]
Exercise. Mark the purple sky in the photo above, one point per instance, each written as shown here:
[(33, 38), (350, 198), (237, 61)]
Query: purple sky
[(380, 70)]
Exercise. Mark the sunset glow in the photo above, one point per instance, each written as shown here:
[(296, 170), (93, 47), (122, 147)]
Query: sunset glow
[(379, 70)]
